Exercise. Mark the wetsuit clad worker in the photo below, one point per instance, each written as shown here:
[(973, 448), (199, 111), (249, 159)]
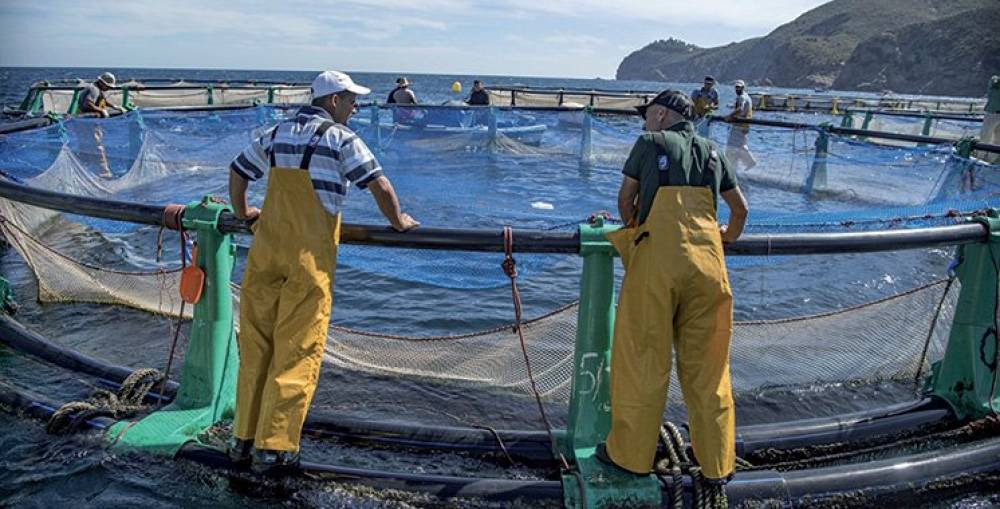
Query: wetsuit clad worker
[(737, 149), (93, 100), (311, 161), (675, 295), (479, 96)]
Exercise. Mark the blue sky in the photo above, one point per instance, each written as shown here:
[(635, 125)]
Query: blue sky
[(561, 38)]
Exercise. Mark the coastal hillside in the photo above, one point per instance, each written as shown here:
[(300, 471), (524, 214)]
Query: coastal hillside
[(947, 47)]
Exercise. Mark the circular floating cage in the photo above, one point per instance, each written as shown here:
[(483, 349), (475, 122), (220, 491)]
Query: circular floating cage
[(866, 286)]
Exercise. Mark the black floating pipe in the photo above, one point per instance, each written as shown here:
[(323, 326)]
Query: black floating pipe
[(95, 207), (528, 446), (24, 125), (935, 114), (18, 337), (525, 241), (891, 476), (858, 242)]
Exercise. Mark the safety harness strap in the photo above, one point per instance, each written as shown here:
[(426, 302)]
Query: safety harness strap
[(274, 133), (313, 143)]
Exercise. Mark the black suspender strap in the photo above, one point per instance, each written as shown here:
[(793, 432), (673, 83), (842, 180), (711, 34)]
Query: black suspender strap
[(273, 134), (313, 142)]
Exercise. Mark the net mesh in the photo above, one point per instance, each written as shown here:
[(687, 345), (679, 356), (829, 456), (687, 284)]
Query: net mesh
[(551, 181)]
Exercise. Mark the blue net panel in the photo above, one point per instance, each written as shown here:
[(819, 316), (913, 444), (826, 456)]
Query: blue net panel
[(473, 168)]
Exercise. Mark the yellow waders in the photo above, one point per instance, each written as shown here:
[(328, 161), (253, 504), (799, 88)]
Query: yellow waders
[(675, 295), (284, 311)]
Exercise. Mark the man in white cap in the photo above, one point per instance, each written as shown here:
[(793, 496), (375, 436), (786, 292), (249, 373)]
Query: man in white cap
[(311, 161), (92, 100), (737, 150)]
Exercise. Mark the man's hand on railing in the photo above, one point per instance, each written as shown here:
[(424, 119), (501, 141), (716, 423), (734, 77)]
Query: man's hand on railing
[(251, 215)]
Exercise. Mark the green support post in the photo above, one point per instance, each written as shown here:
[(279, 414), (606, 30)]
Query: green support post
[(967, 376), (211, 95), (817, 173), (37, 101), (847, 121), (270, 95), (868, 119), (28, 98), (590, 406), (126, 102), (207, 392), (74, 103), (926, 131)]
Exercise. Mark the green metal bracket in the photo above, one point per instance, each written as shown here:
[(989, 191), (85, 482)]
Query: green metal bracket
[(126, 101), (36, 101), (270, 95), (207, 392), (74, 104), (993, 96), (967, 375), (589, 406), (211, 95), (28, 98)]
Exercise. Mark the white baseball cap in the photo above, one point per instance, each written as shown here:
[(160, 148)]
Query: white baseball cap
[(739, 83), (108, 79), (332, 82)]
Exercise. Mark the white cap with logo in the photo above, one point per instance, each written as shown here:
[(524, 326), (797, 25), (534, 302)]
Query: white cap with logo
[(332, 82)]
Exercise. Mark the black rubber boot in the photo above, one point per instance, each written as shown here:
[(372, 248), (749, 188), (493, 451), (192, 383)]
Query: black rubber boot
[(240, 450), (270, 462), (601, 453)]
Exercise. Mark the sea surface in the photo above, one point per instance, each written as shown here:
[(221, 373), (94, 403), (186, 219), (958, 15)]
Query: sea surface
[(422, 297)]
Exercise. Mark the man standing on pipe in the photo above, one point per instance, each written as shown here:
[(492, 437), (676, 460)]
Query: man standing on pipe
[(285, 305), (675, 294), (93, 100), (737, 149)]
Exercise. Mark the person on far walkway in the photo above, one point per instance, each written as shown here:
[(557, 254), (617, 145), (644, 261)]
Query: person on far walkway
[(737, 150), (479, 96)]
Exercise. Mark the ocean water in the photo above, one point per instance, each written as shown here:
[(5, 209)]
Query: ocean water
[(39, 471)]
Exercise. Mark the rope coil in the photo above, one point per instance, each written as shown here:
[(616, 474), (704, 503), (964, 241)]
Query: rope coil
[(125, 403)]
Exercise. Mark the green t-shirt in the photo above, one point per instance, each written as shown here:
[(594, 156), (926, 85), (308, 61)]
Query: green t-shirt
[(676, 157)]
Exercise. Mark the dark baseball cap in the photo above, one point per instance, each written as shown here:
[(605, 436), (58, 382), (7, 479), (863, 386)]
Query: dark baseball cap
[(671, 99)]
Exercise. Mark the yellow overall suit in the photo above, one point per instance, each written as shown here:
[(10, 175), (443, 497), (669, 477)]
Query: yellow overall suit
[(285, 308), (675, 296)]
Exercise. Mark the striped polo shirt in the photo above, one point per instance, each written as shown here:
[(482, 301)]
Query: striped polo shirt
[(341, 157)]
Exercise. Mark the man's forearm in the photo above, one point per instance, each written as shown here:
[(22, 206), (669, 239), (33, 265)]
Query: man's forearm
[(385, 198), (626, 209), (737, 221), (238, 194)]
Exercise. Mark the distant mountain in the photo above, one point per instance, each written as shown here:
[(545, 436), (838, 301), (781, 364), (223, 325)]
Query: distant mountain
[(948, 47)]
